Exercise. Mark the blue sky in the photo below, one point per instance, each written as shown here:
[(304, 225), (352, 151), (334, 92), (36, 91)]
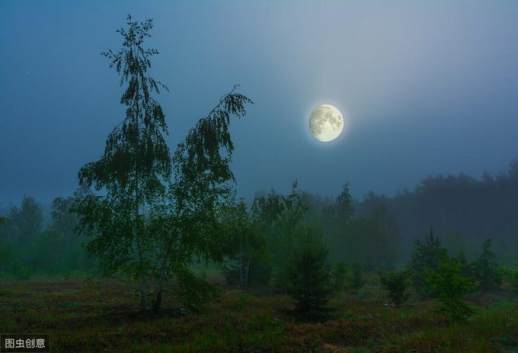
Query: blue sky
[(426, 87)]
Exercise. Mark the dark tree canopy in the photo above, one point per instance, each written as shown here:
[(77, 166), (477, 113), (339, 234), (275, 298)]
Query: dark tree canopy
[(156, 213)]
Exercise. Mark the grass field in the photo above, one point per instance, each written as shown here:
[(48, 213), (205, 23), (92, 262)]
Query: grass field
[(101, 316)]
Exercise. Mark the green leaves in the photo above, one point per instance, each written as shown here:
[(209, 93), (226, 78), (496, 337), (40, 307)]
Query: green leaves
[(396, 284), (426, 256), (450, 286), (486, 269), (156, 214), (208, 147), (134, 170)]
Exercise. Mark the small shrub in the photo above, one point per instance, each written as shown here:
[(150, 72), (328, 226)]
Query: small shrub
[(309, 281), (426, 257), (487, 271), (395, 283), (193, 292), (450, 287)]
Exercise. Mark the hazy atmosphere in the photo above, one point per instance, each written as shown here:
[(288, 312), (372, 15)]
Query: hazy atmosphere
[(425, 88), (259, 176)]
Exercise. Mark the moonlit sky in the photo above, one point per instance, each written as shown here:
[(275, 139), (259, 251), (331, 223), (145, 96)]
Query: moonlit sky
[(426, 87)]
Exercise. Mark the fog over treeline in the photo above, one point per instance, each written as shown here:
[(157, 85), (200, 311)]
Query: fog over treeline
[(377, 231)]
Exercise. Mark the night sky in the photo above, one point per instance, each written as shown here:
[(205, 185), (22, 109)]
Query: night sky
[(426, 87)]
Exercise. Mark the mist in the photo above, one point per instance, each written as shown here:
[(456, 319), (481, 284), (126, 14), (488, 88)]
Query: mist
[(426, 88)]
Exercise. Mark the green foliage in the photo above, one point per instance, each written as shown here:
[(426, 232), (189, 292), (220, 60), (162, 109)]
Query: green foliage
[(132, 172), (282, 221), (309, 281), (486, 269), (249, 263), (28, 249), (155, 214), (396, 284), (450, 286), (193, 292), (426, 257), (467, 268)]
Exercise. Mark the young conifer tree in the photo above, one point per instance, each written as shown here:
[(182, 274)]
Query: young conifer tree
[(309, 278), (487, 271)]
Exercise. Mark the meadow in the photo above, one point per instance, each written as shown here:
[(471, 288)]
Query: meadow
[(93, 315)]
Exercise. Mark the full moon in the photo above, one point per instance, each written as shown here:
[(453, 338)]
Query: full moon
[(326, 122)]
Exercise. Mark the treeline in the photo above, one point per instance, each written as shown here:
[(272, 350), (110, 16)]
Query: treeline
[(269, 236), (463, 211), (286, 244), (377, 232), (29, 246)]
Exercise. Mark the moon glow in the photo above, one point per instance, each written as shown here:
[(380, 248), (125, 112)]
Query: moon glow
[(326, 122)]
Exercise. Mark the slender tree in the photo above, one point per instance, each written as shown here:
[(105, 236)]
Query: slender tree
[(134, 167), (309, 278), (344, 203), (155, 213)]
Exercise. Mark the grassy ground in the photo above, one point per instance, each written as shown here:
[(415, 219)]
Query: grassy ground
[(101, 316)]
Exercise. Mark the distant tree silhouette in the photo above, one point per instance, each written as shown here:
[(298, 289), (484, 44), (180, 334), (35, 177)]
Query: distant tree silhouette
[(345, 203), (469, 207), (26, 222)]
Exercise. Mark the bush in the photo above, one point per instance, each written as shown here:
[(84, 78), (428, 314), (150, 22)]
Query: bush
[(487, 272), (450, 286), (426, 257), (309, 281), (193, 292), (395, 283)]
